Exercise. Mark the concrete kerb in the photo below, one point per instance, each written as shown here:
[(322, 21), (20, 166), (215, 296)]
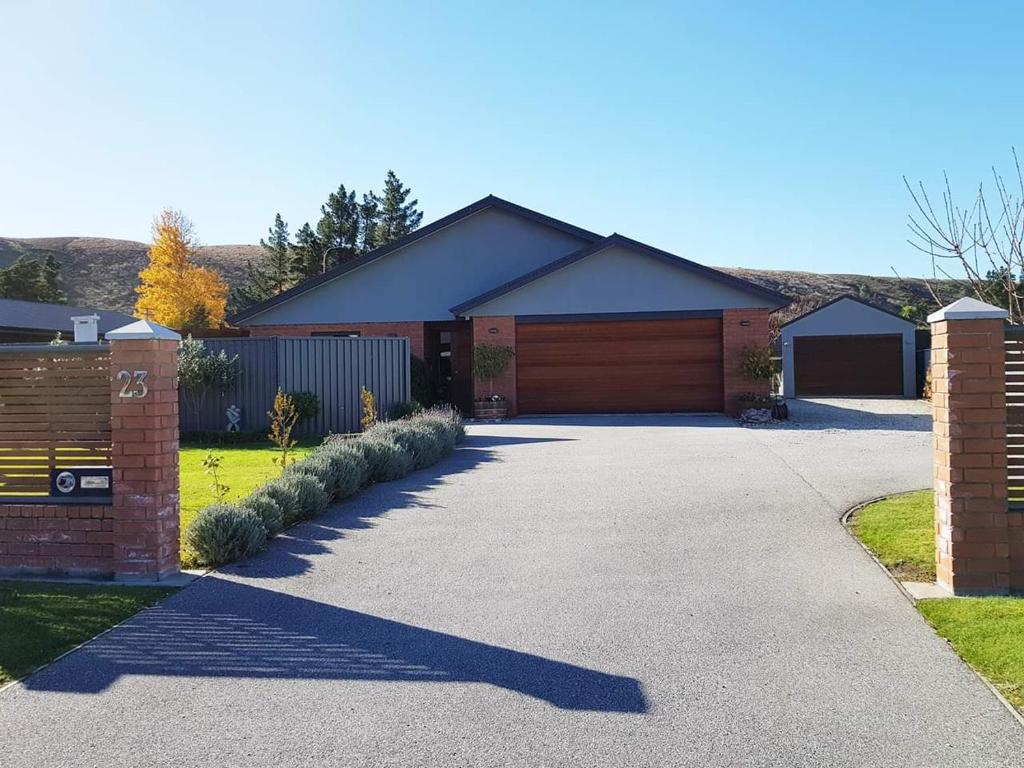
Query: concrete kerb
[(845, 519)]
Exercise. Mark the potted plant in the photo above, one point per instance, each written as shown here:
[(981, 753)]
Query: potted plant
[(490, 361), (759, 366)]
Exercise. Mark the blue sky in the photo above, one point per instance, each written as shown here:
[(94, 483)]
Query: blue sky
[(760, 134)]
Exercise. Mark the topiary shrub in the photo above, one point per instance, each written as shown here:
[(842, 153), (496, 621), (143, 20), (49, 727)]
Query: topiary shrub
[(320, 469), (311, 498), (223, 533), (268, 510), (385, 459), (421, 442), (351, 471), (445, 418)]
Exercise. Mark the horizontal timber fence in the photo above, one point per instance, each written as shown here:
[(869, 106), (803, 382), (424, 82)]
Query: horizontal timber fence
[(333, 369), (89, 457)]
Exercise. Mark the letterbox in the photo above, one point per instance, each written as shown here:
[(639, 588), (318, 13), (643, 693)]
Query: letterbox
[(80, 482)]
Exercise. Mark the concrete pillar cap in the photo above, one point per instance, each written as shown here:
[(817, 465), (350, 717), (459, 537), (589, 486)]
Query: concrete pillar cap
[(142, 329), (965, 309)]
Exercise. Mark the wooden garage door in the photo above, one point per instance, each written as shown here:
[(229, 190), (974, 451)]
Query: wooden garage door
[(631, 366), (848, 365)]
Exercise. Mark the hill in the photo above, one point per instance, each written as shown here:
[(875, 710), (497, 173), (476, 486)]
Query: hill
[(102, 273)]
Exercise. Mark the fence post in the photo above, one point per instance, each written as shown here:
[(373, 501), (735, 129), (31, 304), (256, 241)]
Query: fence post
[(144, 450), (969, 424)]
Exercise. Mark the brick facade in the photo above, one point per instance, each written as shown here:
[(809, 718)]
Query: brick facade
[(972, 537), (499, 331), (137, 535), (741, 328), (414, 330)]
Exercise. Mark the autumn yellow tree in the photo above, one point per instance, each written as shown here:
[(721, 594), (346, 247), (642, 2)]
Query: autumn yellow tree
[(174, 291)]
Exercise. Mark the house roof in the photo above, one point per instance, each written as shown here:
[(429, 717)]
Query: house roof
[(633, 245), (18, 315), (488, 202), (846, 297)]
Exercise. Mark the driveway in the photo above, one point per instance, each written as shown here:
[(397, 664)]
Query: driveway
[(607, 591)]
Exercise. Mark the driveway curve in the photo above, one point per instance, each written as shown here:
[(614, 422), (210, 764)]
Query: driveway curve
[(605, 591)]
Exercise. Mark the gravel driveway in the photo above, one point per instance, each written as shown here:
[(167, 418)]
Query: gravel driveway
[(607, 591)]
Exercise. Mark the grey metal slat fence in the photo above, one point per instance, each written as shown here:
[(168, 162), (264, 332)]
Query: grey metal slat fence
[(333, 369), (1015, 415)]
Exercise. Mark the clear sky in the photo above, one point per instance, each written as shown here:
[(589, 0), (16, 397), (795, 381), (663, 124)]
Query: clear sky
[(750, 134)]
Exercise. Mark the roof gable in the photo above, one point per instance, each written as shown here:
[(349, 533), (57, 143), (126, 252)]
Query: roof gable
[(608, 282), (841, 300), (489, 202)]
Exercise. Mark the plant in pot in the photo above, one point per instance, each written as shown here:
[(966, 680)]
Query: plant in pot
[(759, 367), (489, 362)]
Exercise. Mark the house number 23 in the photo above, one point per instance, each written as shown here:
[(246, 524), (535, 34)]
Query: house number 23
[(133, 383)]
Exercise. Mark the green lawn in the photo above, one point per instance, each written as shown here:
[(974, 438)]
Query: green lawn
[(900, 531), (987, 632), (243, 468), (40, 621)]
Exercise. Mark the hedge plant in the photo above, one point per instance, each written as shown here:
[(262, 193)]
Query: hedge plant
[(222, 533)]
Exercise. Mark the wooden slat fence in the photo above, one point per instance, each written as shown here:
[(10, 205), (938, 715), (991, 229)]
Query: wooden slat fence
[(331, 368), (54, 414), (1015, 414)]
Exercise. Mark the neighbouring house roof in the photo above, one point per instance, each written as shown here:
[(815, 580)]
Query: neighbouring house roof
[(847, 297), (616, 239), (488, 202), (29, 316)]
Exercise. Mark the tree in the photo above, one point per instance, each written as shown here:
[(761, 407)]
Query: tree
[(396, 216), (174, 291), (258, 286), (340, 226), (32, 280), (308, 252), (277, 255), (983, 240)]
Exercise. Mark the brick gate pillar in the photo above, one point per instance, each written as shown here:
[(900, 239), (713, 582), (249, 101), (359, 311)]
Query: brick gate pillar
[(144, 450), (969, 425)]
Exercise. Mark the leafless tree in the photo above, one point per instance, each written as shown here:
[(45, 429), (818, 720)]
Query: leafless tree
[(983, 240)]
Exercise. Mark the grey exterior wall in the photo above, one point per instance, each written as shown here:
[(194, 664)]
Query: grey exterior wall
[(427, 277), (847, 318), (333, 369), (618, 279)]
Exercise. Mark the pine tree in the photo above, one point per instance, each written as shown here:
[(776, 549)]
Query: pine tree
[(369, 216), (172, 286), (277, 258), (257, 287), (339, 227), (32, 280), (49, 276), (397, 216), (307, 254)]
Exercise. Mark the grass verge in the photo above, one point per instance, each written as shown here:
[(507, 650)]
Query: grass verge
[(39, 621), (987, 632)]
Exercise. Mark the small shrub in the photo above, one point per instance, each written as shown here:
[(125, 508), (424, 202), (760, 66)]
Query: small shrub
[(350, 467), (385, 459), (404, 410), (310, 496), (268, 510), (211, 466), (283, 417), (369, 408), (307, 405), (446, 420), (223, 533), (757, 363), (287, 499), (490, 361), (421, 442), (318, 467)]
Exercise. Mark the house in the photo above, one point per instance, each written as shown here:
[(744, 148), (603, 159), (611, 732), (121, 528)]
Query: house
[(848, 347), (598, 323), (34, 321)]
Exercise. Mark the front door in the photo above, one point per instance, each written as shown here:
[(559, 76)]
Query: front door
[(448, 349)]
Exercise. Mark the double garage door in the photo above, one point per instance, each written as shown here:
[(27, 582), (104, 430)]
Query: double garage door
[(848, 365), (620, 366)]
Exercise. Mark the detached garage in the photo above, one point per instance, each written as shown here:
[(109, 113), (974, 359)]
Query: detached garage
[(848, 348)]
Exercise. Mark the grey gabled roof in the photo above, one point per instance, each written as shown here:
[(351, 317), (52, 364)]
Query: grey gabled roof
[(488, 202), (634, 245), (845, 297), (18, 315)]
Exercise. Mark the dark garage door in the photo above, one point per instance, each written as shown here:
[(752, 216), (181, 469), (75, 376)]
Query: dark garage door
[(848, 365), (631, 366)]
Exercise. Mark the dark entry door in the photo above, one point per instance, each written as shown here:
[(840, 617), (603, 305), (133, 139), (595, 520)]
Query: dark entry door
[(848, 365), (448, 349)]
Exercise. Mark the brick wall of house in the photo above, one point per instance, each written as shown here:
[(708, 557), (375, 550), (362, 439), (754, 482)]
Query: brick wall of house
[(741, 328), (414, 330), (499, 331), (137, 535)]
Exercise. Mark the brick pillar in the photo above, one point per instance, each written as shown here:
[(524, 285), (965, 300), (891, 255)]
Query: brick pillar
[(498, 331), (969, 425), (144, 439), (741, 328)]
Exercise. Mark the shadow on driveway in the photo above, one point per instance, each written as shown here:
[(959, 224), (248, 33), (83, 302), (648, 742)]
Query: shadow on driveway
[(220, 628)]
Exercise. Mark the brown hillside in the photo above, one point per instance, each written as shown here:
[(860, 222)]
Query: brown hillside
[(102, 273)]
